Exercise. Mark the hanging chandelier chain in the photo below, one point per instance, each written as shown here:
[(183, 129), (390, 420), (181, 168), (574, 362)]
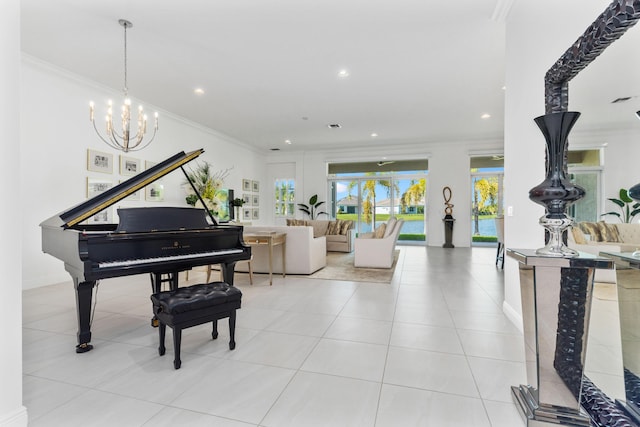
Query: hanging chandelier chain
[(125, 25)]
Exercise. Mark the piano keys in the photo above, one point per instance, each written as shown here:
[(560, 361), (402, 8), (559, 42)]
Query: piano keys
[(156, 240)]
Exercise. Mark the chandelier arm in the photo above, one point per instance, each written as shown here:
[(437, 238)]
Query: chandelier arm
[(145, 145), (108, 142)]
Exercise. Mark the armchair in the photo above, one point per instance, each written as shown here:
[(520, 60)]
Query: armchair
[(373, 252)]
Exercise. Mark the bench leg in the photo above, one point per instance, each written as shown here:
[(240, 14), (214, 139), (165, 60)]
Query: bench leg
[(214, 334), (232, 330), (177, 338), (162, 330)]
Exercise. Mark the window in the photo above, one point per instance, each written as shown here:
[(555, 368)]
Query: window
[(370, 193), (487, 175), (285, 196)]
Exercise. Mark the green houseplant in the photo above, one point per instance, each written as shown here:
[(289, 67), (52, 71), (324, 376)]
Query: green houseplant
[(312, 208), (628, 208)]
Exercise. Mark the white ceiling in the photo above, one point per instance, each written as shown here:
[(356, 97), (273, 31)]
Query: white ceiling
[(420, 70)]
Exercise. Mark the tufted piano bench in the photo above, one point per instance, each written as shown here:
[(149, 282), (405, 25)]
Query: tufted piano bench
[(194, 305)]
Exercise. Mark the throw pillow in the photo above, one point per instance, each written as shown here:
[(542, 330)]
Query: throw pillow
[(379, 233), (609, 232), (296, 222), (578, 236), (332, 229), (345, 226), (592, 229)]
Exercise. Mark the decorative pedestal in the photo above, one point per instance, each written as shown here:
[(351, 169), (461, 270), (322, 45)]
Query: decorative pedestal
[(448, 231), (556, 303), (628, 282)]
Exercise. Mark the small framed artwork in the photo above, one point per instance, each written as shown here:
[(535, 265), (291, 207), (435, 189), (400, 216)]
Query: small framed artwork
[(247, 199), (129, 166), (97, 161), (246, 185), (246, 214), (255, 213), (255, 186), (96, 186), (103, 217), (255, 200), (154, 192)]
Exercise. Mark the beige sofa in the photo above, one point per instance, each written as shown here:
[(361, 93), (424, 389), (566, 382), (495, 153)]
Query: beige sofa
[(593, 238), (339, 234), (304, 253)]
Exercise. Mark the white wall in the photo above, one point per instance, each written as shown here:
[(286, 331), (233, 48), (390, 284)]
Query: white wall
[(56, 134), (12, 413)]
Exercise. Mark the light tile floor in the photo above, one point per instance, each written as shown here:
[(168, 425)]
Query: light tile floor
[(430, 349)]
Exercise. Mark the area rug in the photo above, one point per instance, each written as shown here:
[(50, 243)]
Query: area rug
[(340, 267)]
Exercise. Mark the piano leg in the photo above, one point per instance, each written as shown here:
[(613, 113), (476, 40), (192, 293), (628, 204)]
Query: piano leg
[(228, 270), (84, 294)]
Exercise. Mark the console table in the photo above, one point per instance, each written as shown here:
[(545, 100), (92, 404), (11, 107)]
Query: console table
[(556, 301), (271, 239)]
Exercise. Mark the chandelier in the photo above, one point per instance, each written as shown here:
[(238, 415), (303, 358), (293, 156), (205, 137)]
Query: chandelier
[(124, 141)]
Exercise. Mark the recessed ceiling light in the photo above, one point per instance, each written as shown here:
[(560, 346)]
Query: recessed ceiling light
[(287, 141), (198, 91), (485, 116), (343, 74), (504, 88), (334, 126), (373, 135)]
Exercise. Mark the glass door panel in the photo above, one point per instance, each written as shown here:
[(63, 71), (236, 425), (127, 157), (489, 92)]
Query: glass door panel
[(410, 206)]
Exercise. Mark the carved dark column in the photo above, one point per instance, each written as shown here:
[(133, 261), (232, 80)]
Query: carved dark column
[(607, 28)]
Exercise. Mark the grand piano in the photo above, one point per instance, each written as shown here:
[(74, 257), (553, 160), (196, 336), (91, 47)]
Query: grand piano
[(159, 240)]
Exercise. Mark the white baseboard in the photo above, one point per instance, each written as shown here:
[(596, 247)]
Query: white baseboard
[(513, 316), (18, 418)]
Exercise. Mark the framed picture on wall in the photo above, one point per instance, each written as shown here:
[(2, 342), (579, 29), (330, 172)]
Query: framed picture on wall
[(247, 199), (96, 186), (255, 200), (246, 185), (154, 192), (129, 166), (246, 214), (103, 217), (255, 213), (255, 186), (97, 161)]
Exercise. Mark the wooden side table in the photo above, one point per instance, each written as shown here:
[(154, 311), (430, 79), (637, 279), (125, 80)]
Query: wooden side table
[(271, 239)]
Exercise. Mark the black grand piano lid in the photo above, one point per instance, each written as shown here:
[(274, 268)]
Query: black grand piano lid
[(102, 201)]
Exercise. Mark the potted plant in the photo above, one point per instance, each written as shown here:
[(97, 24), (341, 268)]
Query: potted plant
[(311, 208), (628, 208), (237, 204)]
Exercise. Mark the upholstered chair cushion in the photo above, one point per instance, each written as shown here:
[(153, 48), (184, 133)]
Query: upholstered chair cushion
[(319, 228), (390, 226)]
